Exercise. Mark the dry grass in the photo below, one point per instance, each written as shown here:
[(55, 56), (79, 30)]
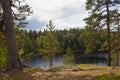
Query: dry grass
[(83, 72)]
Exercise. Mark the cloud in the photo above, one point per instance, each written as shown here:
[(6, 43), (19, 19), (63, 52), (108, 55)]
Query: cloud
[(67, 12), (34, 24), (64, 13)]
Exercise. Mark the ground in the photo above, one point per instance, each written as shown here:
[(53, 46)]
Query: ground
[(78, 72)]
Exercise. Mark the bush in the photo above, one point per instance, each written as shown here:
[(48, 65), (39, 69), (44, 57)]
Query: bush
[(68, 59)]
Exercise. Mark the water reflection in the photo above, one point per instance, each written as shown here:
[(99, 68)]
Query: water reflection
[(38, 61), (57, 60)]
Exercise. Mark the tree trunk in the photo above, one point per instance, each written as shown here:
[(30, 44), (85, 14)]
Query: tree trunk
[(51, 59), (117, 63), (13, 60), (108, 33)]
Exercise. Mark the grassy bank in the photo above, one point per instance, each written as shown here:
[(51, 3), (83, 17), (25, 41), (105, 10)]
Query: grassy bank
[(78, 72)]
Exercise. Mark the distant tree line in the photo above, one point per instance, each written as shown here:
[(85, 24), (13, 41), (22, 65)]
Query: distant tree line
[(85, 40)]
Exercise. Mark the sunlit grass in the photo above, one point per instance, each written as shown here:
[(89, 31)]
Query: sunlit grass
[(90, 66)]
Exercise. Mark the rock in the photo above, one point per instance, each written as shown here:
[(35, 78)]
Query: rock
[(73, 68), (49, 69), (46, 69)]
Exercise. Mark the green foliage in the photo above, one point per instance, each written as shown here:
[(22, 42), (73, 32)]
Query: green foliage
[(68, 59), (82, 40), (32, 41), (49, 43), (21, 52), (3, 51), (39, 43), (89, 48), (98, 12), (114, 46), (69, 51), (92, 39), (103, 15)]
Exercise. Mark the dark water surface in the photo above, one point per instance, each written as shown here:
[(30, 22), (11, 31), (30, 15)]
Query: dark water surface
[(97, 59)]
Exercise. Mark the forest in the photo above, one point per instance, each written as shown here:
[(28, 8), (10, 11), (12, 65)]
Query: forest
[(100, 35), (79, 40)]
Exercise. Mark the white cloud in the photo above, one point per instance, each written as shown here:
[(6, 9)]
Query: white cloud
[(64, 13)]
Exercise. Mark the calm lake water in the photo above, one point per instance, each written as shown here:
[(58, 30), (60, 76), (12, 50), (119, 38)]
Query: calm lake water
[(38, 61)]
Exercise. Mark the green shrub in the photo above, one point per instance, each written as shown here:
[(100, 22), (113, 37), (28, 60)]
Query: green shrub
[(68, 59)]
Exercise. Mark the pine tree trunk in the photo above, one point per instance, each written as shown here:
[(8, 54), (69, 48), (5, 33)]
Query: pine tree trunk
[(51, 59), (117, 63), (13, 60), (108, 33)]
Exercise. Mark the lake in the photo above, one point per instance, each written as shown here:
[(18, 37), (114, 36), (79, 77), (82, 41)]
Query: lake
[(95, 59)]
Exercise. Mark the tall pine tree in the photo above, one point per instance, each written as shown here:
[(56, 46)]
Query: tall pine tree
[(100, 17), (13, 60), (7, 26)]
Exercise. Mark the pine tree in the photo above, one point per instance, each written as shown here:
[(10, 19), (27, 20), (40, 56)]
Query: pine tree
[(13, 60), (100, 17), (116, 22), (50, 43), (7, 26)]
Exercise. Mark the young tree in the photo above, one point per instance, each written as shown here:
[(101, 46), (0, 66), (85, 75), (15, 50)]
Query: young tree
[(100, 16), (50, 43), (69, 58)]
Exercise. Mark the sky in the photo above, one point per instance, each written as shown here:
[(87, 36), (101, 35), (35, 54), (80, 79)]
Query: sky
[(65, 14)]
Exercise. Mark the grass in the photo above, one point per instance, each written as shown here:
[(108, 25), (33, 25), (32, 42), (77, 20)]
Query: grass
[(90, 66), (91, 72), (112, 75)]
